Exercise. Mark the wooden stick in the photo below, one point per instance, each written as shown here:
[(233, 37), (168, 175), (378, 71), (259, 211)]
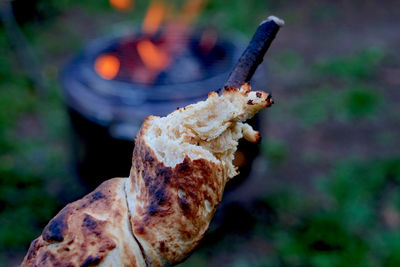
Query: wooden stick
[(254, 53)]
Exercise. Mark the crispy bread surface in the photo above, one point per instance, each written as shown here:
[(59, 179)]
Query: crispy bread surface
[(158, 215), (94, 230), (180, 166)]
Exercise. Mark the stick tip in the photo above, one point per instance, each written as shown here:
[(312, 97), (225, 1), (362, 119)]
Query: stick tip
[(278, 21)]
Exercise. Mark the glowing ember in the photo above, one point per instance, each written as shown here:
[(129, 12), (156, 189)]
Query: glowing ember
[(208, 40), (107, 66), (152, 56), (122, 5), (154, 17)]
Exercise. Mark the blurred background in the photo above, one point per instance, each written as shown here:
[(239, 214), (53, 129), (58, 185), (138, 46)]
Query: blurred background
[(324, 185)]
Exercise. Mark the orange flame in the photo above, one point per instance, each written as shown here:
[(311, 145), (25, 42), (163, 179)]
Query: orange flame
[(152, 56), (176, 32), (154, 17), (122, 5), (191, 10), (107, 66)]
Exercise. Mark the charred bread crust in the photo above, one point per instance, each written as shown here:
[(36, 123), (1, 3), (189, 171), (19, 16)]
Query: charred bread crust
[(158, 215), (172, 206), (86, 231)]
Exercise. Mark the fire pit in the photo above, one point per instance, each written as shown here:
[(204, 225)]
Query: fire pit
[(118, 80)]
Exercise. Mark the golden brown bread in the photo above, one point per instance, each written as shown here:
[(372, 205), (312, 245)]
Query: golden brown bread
[(86, 232), (158, 215)]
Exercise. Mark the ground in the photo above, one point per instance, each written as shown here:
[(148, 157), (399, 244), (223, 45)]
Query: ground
[(324, 190)]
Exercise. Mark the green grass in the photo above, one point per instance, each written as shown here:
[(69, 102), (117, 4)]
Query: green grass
[(351, 95), (346, 93), (348, 103), (26, 207), (360, 65), (348, 228), (289, 60), (29, 158)]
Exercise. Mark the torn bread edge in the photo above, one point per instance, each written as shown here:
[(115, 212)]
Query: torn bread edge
[(209, 129), (180, 167)]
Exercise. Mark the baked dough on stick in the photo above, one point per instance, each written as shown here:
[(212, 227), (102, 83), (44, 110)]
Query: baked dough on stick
[(157, 215)]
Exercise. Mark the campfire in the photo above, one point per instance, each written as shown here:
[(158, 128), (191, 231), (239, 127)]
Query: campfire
[(162, 46)]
